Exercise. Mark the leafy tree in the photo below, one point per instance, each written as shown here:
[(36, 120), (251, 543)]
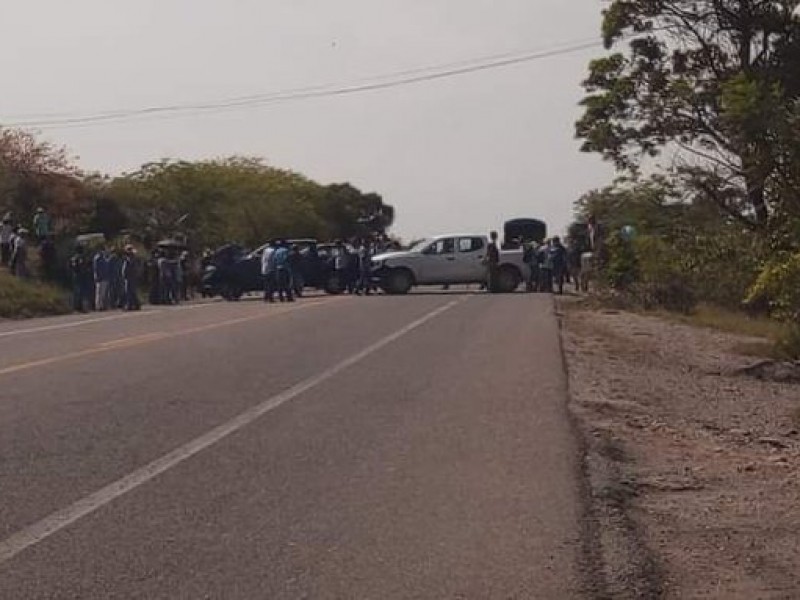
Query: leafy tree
[(710, 79), (36, 173)]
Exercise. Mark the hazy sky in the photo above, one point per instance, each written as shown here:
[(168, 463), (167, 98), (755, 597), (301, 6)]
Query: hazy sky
[(463, 154)]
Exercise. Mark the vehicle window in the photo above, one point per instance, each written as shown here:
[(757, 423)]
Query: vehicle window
[(443, 246), (470, 244)]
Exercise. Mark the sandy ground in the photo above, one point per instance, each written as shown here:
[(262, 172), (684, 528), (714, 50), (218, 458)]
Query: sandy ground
[(694, 469)]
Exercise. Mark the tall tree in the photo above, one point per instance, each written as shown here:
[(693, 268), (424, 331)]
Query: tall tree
[(711, 80)]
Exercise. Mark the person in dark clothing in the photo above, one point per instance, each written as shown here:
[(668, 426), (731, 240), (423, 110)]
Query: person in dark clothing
[(492, 261), (6, 239), (48, 258), (116, 285), (129, 272), (154, 277), (296, 268), (558, 260), (82, 280)]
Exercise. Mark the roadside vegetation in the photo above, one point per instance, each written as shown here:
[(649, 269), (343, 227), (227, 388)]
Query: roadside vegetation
[(698, 107), (19, 298)]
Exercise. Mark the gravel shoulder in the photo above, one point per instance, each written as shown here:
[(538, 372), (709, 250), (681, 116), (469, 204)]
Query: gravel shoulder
[(693, 466)]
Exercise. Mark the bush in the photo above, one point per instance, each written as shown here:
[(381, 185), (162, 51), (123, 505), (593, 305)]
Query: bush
[(19, 299), (778, 286)]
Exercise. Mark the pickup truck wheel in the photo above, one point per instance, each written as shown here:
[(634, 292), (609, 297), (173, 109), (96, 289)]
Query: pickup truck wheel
[(398, 281), (508, 280)]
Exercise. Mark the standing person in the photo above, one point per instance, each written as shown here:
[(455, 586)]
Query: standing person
[(19, 253), (298, 282), (545, 268), (558, 254), (283, 272), (365, 269), (41, 225), (154, 277), (129, 271), (6, 237), (100, 275), (268, 272), (116, 285), (81, 271), (492, 260), (48, 258), (529, 258), (185, 266)]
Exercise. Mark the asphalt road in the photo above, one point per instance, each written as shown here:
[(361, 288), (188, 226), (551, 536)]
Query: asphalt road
[(384, 447)]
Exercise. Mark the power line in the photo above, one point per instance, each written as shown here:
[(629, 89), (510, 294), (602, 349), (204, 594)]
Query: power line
[(381, 82)]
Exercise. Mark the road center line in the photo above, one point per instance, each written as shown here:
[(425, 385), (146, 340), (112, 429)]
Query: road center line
[(55, 522), (139, 340)]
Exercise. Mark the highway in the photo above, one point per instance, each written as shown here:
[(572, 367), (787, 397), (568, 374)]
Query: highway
[(336, 447)]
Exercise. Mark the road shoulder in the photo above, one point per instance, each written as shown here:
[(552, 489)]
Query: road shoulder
[(692, 466)]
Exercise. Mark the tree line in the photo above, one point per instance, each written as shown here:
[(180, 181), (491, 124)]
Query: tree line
[(697, 104), (207, 202)]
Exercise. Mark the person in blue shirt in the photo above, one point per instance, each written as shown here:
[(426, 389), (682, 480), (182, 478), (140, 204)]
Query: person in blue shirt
[(283, 272)]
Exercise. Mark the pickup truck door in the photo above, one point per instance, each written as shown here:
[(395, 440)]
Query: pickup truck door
[(438, 262), (469, 259)]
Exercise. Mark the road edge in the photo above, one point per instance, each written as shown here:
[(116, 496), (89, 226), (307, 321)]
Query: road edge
[(616, 563)]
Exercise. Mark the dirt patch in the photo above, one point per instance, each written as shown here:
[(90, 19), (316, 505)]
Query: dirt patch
[(693, 463)]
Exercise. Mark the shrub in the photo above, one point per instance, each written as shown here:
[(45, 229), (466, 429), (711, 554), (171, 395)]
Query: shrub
[(778, 286)]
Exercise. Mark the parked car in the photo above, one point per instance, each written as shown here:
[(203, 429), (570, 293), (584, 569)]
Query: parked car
[(446, 260)]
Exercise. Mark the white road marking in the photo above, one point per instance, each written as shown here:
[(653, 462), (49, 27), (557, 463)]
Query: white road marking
[(55, 522), (115, 317)]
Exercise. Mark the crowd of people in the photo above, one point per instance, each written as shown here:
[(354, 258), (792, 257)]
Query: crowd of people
[(286, 270), (15, 239)]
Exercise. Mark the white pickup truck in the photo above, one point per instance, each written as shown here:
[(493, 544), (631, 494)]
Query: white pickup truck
[(445, 260)]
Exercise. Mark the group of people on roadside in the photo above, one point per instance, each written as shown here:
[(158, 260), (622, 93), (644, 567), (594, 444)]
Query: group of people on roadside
[(105, 279), (546, 262), (14, 240)]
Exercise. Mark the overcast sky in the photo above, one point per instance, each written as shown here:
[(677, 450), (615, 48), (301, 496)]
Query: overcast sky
[(464, 153)]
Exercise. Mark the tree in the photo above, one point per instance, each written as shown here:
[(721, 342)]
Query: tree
[(712, 80), (36, 173)]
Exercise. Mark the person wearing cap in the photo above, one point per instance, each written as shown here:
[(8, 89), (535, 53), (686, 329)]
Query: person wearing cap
[(41, 225)]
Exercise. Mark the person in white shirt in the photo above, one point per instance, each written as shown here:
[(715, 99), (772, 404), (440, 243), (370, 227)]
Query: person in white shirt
[(269, 272)]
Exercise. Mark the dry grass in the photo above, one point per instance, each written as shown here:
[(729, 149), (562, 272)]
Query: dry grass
[(736, 322)]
